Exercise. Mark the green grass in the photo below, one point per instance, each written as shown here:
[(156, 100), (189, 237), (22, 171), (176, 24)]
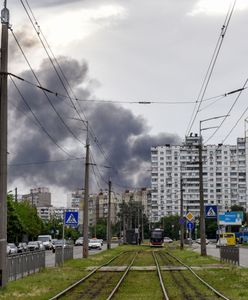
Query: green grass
[(140, 286), (232, 282)]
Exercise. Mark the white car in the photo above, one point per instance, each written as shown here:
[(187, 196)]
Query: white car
[(79, 241), (11, 248), (167, 240), (95, 244), (198, 241)]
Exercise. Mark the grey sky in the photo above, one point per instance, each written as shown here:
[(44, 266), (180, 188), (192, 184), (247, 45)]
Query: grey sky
[(137, 50)]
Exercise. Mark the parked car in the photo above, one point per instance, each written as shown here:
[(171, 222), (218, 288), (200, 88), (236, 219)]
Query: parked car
[(167, 240), (33, 245), (95, 244), (12, 248), (59, 244), (22, 247), (79, 241), (98, 240), (46, 240), (41, 245), (198, 241)]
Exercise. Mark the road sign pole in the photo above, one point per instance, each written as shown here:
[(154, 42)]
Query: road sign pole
[(63, 238)]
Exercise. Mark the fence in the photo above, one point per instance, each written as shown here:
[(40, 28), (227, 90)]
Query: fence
[(20, 265), (229, 254), (68, 254)]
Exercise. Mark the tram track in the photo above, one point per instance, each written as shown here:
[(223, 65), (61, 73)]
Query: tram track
[(97, 284), (188, 289)]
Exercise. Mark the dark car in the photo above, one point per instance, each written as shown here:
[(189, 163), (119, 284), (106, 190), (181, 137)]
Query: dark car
[(59, 244), (22, 247)]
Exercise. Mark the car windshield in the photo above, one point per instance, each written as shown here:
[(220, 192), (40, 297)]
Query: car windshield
[(94, 241), (12, 245), (59, 242)]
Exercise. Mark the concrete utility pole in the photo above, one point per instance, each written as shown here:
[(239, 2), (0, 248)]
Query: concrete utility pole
[(181, 215), (16, 194), (3, 144), (202, 213), (109, 217), (86, 198)]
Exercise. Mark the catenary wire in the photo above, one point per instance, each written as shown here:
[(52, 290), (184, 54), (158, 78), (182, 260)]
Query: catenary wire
[(38, 121), (57, 94), (210, 67), (44, 92), (228, 113), (44, 162), (95, 139)]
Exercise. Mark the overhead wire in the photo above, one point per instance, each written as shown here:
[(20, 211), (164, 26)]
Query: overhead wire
[(44, 92), (38, 121), (44, 162), (57, 94), (239, 91), (39, 32), (211, 66)]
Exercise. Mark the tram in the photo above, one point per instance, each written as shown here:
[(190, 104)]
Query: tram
[(157, 237)]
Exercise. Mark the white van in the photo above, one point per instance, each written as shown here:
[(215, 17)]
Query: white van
[(46, 240)]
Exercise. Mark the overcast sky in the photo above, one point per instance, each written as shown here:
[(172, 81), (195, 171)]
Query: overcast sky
[(122, 50)]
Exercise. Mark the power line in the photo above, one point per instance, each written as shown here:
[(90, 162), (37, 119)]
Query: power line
[(95, 139), (44, 92), (239, 91), (38, 121), (44, 162), (57, 94), (210, 68)]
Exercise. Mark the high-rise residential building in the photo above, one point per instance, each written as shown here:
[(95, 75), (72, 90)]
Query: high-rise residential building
[(224, 176), (38, 197)]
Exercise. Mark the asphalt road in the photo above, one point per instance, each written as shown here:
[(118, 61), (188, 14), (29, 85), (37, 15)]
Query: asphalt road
[(215, 252), (77, 253)]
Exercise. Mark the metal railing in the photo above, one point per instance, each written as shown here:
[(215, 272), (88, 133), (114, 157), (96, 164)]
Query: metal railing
[(229, 254), (68, 254), (20, 265)]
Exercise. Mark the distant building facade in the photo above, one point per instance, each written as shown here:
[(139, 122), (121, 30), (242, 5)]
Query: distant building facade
[(224, 176), (38, 197)]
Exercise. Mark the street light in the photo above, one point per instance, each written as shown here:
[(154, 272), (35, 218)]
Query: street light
[(202, 217)]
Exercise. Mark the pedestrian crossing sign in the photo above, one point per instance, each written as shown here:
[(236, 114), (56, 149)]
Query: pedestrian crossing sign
[(211, 211), (71, 218)]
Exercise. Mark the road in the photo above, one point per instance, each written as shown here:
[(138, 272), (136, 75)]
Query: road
[(77, 253), (215, 252)]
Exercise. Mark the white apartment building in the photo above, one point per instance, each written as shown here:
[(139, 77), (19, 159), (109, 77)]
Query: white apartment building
[(224, 176)]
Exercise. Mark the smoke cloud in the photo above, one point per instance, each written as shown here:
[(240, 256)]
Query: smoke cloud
[(124, 136)]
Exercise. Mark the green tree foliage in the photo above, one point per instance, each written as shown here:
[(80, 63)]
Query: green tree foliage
[(22, 219), (15, 227), (100, 230), (171, 226)]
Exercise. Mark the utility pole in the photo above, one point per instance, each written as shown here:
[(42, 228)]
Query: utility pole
[(16, 194), (202, 213), (3, 144), (181, 215), (109, 217), (86, 197)]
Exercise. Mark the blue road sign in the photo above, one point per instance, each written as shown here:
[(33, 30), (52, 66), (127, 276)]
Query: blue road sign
[(190, 225), (231, 218), (181, 221), (211, 211), (71, 218)]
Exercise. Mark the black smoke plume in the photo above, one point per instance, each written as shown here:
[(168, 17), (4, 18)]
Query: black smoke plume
[(123, 136)]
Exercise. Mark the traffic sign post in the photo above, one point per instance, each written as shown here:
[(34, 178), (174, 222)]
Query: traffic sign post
[(71, 218), (190, 227), (211, 211)]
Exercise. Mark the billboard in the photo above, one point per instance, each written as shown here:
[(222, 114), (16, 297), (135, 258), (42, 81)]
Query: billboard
[(231, 218)]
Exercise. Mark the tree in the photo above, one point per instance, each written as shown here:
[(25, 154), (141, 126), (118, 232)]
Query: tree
[(15, 227), (171, 226)]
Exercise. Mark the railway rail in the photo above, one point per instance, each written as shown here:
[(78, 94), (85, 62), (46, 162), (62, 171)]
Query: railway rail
[(176, 282), (98, 284), (181, 279)]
